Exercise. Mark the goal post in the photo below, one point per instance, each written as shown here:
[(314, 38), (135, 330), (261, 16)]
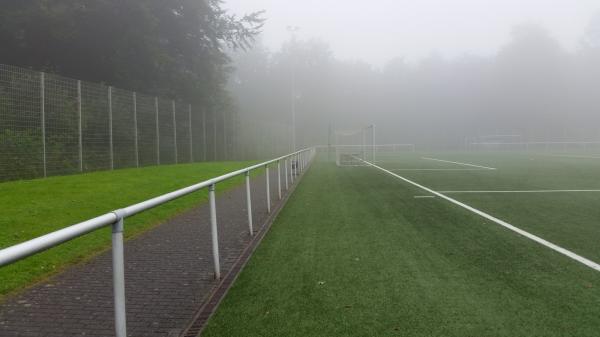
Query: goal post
[(352, 147)]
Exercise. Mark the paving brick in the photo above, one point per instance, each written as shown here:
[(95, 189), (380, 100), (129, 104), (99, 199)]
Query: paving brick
[(169, 273)]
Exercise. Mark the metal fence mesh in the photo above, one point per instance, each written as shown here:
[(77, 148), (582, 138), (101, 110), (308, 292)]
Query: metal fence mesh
[(182, 118), (21, 154), (53, 125), (147, 130), (62, 125), (96, 123)]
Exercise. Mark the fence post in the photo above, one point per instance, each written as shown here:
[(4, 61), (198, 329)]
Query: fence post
[(174, 132), (157, 131), (110, 129), (214, 134), (373, 142), (249, 202), (135, 131), (279, 178), (190, 133), (43, 116), (204, 134), (80, 128), (213, 231), (118, 265), (268, 190), (285, 163), (224, 136)]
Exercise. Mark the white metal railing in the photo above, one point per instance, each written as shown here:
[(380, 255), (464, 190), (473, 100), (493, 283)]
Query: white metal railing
[(297, 163)]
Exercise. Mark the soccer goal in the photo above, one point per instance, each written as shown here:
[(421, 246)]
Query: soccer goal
[(353, 147)]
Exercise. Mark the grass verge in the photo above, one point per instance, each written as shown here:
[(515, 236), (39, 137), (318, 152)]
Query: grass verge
[(35, 207)]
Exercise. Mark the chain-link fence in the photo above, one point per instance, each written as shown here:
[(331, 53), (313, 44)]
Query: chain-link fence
[(52, 125)]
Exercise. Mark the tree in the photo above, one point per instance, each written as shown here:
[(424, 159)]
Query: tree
[(164, 47)]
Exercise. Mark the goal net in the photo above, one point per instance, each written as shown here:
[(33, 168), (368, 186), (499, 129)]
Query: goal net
[(354, 147), (384, 152)]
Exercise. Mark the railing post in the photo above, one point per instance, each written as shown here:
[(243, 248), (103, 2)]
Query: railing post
[(118, 264), (213, 231), (285, 163), (110, 129), (79, 127), (135, 131), (279, 178), (292, 169), (43, 121), (249, 202), (268, 189)]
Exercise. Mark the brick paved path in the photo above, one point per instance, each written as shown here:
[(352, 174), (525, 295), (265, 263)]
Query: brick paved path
[(169, 274)]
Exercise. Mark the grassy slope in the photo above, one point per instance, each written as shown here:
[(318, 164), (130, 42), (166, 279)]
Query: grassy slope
[(36, 207), (393, 265)]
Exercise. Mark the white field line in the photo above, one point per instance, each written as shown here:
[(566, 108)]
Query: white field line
[(431, 169), (524, 191), (517, 230), (458, 163), (424, 196), (573, 156)]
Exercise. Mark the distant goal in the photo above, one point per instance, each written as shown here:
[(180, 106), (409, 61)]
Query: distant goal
[(354, 147)]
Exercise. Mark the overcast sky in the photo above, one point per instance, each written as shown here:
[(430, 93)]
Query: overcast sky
[(378, 30)]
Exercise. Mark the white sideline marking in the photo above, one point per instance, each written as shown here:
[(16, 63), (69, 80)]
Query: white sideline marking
[(517, 230), (525, 191), (459, 163), (573, 156), (431, 169), (424, 196)]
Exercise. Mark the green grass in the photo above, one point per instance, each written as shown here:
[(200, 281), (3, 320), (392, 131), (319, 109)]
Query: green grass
[(36, 207), (355, 254)]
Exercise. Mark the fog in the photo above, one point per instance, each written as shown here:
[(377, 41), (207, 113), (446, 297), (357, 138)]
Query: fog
[(379, 30), (433, 74)]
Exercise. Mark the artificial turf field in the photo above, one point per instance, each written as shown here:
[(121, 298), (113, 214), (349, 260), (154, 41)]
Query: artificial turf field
[(357, 252)]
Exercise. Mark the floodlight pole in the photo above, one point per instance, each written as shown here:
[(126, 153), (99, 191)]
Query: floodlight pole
[(293, 31)]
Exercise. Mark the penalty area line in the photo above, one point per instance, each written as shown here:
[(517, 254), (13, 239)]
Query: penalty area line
[(502, 223), (525, 191), (572, 156), (459, 163), (436, 170)]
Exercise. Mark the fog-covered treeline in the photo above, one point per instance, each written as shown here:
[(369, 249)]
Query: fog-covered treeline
[(532, 87), (170, 48)]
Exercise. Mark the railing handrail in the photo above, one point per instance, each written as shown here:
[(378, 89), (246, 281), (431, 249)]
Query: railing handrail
[(31, 247)]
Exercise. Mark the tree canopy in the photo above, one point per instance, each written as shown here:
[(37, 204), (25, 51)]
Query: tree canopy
[(172, 48)]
